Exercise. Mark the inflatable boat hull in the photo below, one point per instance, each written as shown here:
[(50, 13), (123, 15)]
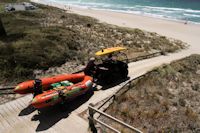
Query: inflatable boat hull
[(27, 86), (52, 97)]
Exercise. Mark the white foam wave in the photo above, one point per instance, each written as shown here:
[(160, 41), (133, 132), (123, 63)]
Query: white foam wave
[(158, 12), (192, 15), (170, 9)]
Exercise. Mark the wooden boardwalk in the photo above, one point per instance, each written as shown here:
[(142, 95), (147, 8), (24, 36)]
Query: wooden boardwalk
[(17, 117)]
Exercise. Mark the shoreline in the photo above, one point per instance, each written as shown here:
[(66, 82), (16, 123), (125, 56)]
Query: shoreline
[(60, 5), (149, 16), (188, 33), (135, 14)]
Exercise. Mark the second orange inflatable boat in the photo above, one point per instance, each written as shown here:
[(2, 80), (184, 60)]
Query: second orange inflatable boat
[(62, 93), (27, 86)]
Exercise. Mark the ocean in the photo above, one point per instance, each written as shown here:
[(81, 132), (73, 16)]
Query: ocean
[(179, 10)]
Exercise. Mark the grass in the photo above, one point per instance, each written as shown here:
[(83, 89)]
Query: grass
[(1, 8), (165, 100), (28, 46), (49, 37)]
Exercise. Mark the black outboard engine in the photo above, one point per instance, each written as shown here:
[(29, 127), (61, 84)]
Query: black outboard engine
[(37, 89)]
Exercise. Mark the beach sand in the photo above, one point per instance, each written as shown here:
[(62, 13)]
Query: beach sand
[(189, 33)]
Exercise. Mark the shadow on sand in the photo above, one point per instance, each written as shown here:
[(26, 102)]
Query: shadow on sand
[(51, 115)]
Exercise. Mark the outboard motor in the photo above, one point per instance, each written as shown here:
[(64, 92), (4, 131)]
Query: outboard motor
[(37, 89)]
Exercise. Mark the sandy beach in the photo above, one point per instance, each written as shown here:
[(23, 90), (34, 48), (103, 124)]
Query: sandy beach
[(188, 33)]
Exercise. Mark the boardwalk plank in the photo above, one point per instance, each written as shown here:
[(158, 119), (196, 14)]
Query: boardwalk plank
[(4, 123)]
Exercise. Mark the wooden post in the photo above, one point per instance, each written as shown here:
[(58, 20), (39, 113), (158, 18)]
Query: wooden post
[(2, 30), (91, 120)]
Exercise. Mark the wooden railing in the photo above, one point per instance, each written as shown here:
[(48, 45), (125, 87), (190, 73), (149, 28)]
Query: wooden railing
[(146, 56), (92, 109), (7, 87), (93, 120)]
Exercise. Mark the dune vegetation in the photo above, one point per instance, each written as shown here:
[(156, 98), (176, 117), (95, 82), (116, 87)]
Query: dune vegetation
[(165, 100), (49, 37)]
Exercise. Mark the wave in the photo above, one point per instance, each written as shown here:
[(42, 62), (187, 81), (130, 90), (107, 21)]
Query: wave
[(180, 14), (192, 15), (138, 7), (169, 8), (95, 4)]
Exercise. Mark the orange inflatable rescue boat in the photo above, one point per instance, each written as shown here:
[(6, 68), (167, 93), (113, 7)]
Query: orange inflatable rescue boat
[(27, 86), (67, 90)]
